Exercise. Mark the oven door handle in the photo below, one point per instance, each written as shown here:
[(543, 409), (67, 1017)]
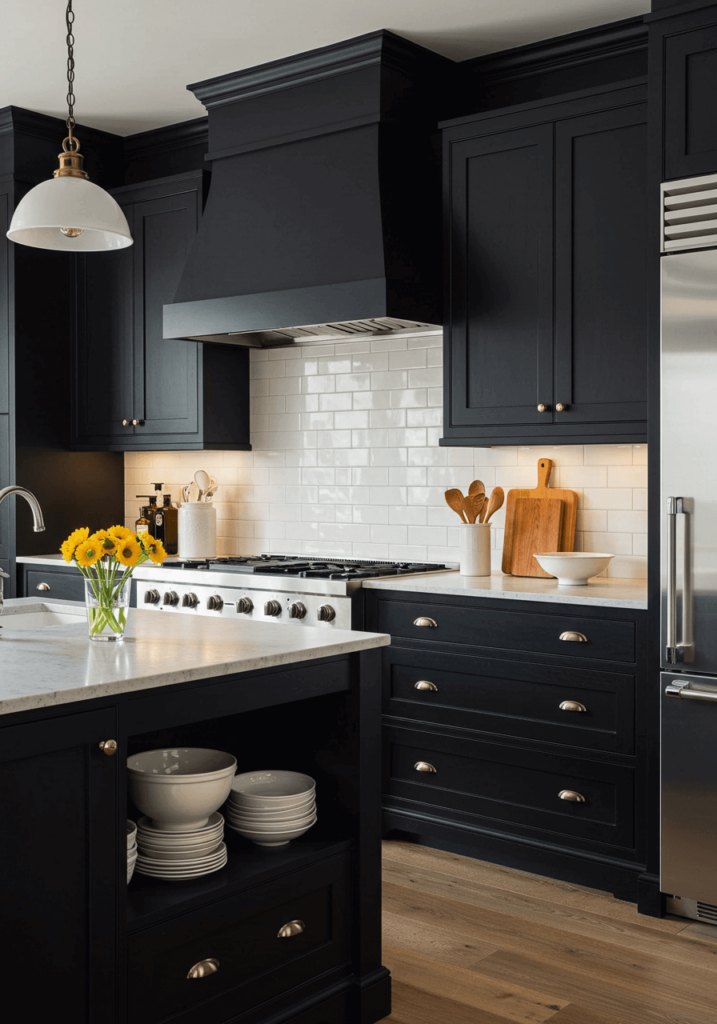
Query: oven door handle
[(682, 691)]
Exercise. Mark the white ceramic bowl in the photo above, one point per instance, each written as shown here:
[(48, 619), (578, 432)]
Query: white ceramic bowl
[(174, 791), (573, 568), (271, 838), (266, 789), (270, 816), (282, 826)]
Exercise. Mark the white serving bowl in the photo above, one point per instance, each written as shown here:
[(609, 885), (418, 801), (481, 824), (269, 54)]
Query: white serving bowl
[(282, 826), (271, 838), (573, 568), (271, 816), (266, 789), (180, 796)]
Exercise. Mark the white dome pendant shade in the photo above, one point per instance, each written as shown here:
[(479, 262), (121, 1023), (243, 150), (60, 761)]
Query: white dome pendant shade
[(68, 212)]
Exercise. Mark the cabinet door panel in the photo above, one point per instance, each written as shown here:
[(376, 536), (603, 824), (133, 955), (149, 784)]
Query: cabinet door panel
[(59, 895), (166, 371), (601, 268), (104, 360), (502, 262), (690, 114)]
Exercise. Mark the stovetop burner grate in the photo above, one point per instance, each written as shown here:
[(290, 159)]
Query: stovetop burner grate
[(308, 567)]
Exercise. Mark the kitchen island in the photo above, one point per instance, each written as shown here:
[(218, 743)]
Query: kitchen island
[(305, 700)]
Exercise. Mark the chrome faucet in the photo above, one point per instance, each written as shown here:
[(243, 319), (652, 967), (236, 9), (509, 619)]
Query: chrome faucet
[(38, 524)]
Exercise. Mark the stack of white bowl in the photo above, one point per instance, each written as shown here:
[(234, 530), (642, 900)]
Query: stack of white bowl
[(271, 807), (180, 790), (131, 848)]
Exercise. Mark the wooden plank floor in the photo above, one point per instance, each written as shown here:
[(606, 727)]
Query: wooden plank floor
[(469, 942)]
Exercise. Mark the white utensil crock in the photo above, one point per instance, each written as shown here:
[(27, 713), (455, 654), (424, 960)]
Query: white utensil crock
[(475, 549), (197, 528)]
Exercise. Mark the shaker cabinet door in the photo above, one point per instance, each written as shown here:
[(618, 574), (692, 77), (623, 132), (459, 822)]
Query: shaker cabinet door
[(501, 260), (601, 245)]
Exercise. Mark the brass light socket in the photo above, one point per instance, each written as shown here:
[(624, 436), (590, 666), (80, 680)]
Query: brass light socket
[(71, 160)]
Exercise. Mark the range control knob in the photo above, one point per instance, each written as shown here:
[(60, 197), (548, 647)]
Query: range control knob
[(272, 608), (297, 610), (151, 597), (245, 605), (326, 613), (190, 601), (215, 603), (171, 597)]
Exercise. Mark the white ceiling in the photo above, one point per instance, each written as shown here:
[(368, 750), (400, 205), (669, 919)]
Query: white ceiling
[(135, 57)]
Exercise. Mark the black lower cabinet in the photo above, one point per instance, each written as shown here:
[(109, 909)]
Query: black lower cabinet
[(509, 739), (125, 954)]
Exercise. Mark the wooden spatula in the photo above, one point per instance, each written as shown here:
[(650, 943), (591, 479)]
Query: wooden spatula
[(497, 497), (454, 500), (473, 506)]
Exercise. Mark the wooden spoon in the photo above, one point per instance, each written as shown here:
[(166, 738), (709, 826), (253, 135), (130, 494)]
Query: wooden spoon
[(497, 498), (454, 500), (477, 487), (473, 506)]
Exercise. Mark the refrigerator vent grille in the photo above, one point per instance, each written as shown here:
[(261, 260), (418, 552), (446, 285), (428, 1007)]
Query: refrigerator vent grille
[(689, 213), (707, 912)]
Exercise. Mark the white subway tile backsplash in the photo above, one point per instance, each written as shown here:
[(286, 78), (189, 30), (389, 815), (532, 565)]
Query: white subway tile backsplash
[(346, 462)]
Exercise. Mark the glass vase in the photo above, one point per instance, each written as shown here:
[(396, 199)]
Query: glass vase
[(107, 605)]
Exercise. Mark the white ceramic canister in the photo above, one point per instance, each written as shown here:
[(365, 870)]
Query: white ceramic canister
[(197, 528), (475, 549)]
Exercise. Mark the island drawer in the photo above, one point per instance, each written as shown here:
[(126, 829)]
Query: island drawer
[(504, 784), (536, 632), (66, 586), (581, 707), (241, 933)]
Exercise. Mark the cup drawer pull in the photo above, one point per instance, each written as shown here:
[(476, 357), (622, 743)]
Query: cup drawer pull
[(424, 766), (423, 620), (42, 586), (577, 638), (425, 684), (570, 794), (204, 968), (572, 705), (288, 931)]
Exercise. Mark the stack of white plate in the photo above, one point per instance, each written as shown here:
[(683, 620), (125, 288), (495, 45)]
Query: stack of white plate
[(131, 848), (271, 807), (177, 856)]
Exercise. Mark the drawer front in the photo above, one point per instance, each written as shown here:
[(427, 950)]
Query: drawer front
[(581, 707), (241, 933), (509, 785), (538, 632), (66, 586)]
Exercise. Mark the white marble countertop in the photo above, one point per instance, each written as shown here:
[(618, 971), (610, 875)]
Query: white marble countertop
[(52, 665), (600, 591)]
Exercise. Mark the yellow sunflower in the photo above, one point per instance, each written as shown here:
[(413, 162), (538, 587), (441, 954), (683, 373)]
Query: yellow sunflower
[(154, 548), (106, 541), (128, 551), (88, 552), (76, 537), (121, 533)]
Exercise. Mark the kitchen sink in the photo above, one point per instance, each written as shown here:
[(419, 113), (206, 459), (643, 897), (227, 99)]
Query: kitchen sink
[(39, 617)]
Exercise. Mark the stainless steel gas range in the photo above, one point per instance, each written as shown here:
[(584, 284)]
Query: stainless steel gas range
[(290, 589)]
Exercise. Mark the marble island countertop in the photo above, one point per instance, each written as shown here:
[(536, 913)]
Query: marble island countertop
[(51, 665), (601, 591)]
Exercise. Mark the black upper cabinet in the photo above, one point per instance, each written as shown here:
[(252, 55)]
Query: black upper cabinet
[(134, 389), (546, 228), (683, 71)]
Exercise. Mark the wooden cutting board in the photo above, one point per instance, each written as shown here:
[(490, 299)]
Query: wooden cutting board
[(533, 522)]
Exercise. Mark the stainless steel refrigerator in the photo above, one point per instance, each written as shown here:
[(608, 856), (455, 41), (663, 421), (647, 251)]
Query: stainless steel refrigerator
[(688, 868)]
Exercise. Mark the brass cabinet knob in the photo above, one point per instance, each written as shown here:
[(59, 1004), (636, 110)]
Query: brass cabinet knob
[(560, 407), (42, 586), (125, 423), (423, 620), (424, 766), (204, 968), (543, 408), (425, 684), (135, 423), (570, 794), (577, 638), (109, 747), (572, 705), (289, 930)]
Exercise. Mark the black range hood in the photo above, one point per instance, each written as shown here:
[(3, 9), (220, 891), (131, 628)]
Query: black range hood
[(323, 216)]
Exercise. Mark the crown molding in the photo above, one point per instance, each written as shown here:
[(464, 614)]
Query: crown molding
[(168, 137)]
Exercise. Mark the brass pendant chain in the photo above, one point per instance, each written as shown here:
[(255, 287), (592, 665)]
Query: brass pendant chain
[(69, 22)]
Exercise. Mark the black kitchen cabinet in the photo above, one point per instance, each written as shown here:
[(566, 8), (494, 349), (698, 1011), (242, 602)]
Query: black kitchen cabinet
[(546, 233), (134, 389), (683, 80), (59, 872), (505, 741)]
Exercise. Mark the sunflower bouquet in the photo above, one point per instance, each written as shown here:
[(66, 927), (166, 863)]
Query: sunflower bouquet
[(107, 560)]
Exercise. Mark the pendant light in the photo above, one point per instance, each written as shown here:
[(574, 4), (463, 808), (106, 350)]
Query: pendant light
[(67, 211)]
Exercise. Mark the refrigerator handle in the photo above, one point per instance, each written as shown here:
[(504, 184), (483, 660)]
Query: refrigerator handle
[(685, 649)]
